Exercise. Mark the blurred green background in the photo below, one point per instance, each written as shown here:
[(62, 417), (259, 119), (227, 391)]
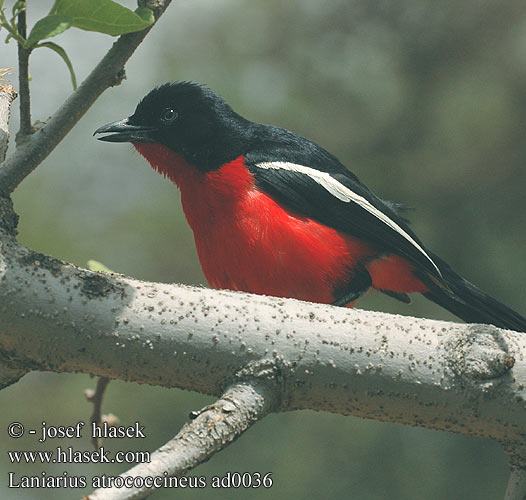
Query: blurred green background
[(425, 101)]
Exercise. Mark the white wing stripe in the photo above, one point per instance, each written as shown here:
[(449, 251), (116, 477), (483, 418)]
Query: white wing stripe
[(343, 193)]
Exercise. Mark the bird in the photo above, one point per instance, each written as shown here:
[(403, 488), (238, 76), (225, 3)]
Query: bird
[(274, 213)]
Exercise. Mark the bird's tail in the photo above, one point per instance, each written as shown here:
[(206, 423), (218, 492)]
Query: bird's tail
[(468, 302)]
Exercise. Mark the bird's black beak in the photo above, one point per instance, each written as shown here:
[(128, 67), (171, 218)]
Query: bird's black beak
[(124, 131)]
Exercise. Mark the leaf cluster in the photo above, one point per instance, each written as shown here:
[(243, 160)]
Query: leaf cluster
[(102, 16)]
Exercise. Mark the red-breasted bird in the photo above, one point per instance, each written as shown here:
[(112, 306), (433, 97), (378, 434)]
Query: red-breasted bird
[(274, 213)]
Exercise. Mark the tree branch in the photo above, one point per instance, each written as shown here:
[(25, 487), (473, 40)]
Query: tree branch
[(469, 379), (213, 429), (109, 72), (96, 398), (516, 489), (26, 128)]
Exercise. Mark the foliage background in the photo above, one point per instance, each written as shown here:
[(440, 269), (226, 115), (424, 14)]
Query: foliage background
[(424, 100)]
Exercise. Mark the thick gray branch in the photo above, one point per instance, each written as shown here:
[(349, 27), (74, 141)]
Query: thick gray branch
[(469, 379), (214, 428), (109, 72)]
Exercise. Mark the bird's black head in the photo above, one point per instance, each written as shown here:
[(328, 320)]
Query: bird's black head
[(189, 119)]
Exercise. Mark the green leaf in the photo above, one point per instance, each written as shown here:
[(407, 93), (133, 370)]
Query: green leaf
[(145, 14), (62, 53), (95, 265), (47, 27), (103, 16)]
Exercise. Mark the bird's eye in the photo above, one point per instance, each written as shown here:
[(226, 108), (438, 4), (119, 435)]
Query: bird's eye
[(168, 116)]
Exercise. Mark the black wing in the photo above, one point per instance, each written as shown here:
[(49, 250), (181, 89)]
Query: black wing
[(303, 176)]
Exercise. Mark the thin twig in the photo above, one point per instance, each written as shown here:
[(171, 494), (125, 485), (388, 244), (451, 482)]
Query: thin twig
[(109, 72), (516, 489), (96, 398), (26, 128), (214, 428)]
